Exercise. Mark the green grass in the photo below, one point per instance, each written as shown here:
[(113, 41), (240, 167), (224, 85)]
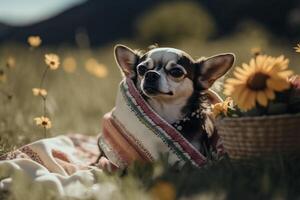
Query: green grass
[(77, 102)]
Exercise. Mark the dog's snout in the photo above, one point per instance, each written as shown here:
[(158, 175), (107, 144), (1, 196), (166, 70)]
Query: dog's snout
[(152, 76)]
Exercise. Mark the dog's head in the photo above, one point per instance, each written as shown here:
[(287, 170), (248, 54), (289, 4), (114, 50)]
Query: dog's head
[(164, 74)]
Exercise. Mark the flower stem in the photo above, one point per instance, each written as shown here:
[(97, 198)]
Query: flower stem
[(45, 132), (44, 97), (43, 77)]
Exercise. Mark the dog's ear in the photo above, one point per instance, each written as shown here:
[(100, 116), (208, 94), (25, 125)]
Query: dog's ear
[(126, 58), (212, 68)]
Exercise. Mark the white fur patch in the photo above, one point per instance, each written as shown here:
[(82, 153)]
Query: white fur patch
[(148, 63), (169, 107), (165, 55)]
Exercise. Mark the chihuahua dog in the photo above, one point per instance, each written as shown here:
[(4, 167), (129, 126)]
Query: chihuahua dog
[(175, 86)]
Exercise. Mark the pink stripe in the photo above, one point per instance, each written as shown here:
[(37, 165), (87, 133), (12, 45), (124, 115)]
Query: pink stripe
[(196, 156)]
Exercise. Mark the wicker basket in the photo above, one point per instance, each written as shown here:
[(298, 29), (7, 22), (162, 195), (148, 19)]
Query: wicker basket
[(250, 137)]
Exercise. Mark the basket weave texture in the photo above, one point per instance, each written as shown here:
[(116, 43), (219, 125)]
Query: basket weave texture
[(250, 137)]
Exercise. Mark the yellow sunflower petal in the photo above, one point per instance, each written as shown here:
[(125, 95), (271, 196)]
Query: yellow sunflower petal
[(240, 76), (252, 63), (260, 62), (270, 94), (242, 71), (278, 84), (250, 101), (228, 92), (234, 81), (286, 74), (262, 98), (242, 100)]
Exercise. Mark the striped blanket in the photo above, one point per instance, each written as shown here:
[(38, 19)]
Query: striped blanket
[(133, 131)]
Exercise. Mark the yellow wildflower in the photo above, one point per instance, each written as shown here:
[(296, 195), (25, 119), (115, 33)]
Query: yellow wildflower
[(34, 41), (52, 60), (39, 92), (100, 71), (222, 107), (255, 51), (10, 62), (90, 63), (95, 68), (163, 191), (258, 81), (43, 121), (3, 77), (69, 64)]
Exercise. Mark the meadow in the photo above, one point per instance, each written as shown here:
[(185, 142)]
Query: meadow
[(78, 97)]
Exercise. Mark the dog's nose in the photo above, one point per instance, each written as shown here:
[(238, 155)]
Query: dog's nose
[(152, 76)]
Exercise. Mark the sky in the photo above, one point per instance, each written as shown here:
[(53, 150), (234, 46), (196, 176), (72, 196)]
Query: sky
[(23, 12)]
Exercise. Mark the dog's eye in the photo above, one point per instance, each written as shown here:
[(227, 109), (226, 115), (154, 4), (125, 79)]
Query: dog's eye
[(176, 72), (142, 69)]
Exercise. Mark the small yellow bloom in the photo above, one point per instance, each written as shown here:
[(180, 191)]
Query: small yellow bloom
[(258, 81), (43, 121), (255, 51), (39, 92), (69, 64), (100, 71), (90, 63), (3, 77), (163, 191), (52, 60), (34, 41), (297, 48), (10, 62), (97, 69), (222, 107)]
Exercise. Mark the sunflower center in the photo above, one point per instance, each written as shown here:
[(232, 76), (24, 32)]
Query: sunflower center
[(44, 123), (258, 81), (52, 63)]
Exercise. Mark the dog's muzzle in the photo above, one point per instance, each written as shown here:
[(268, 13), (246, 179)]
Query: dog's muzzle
[(151, 82), (152, 76)]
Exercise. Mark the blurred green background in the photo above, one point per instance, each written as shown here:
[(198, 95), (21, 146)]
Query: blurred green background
[(77, 98)]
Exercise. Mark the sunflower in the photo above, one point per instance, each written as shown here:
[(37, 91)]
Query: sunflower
[(39, 92), (297, 48), (52, 60), (43, 121), (34, 41), (258, 81)]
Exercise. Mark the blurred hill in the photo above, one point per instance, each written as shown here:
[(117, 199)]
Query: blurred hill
[(101, 20), (4, 29), (279, 16), (104, 21)]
